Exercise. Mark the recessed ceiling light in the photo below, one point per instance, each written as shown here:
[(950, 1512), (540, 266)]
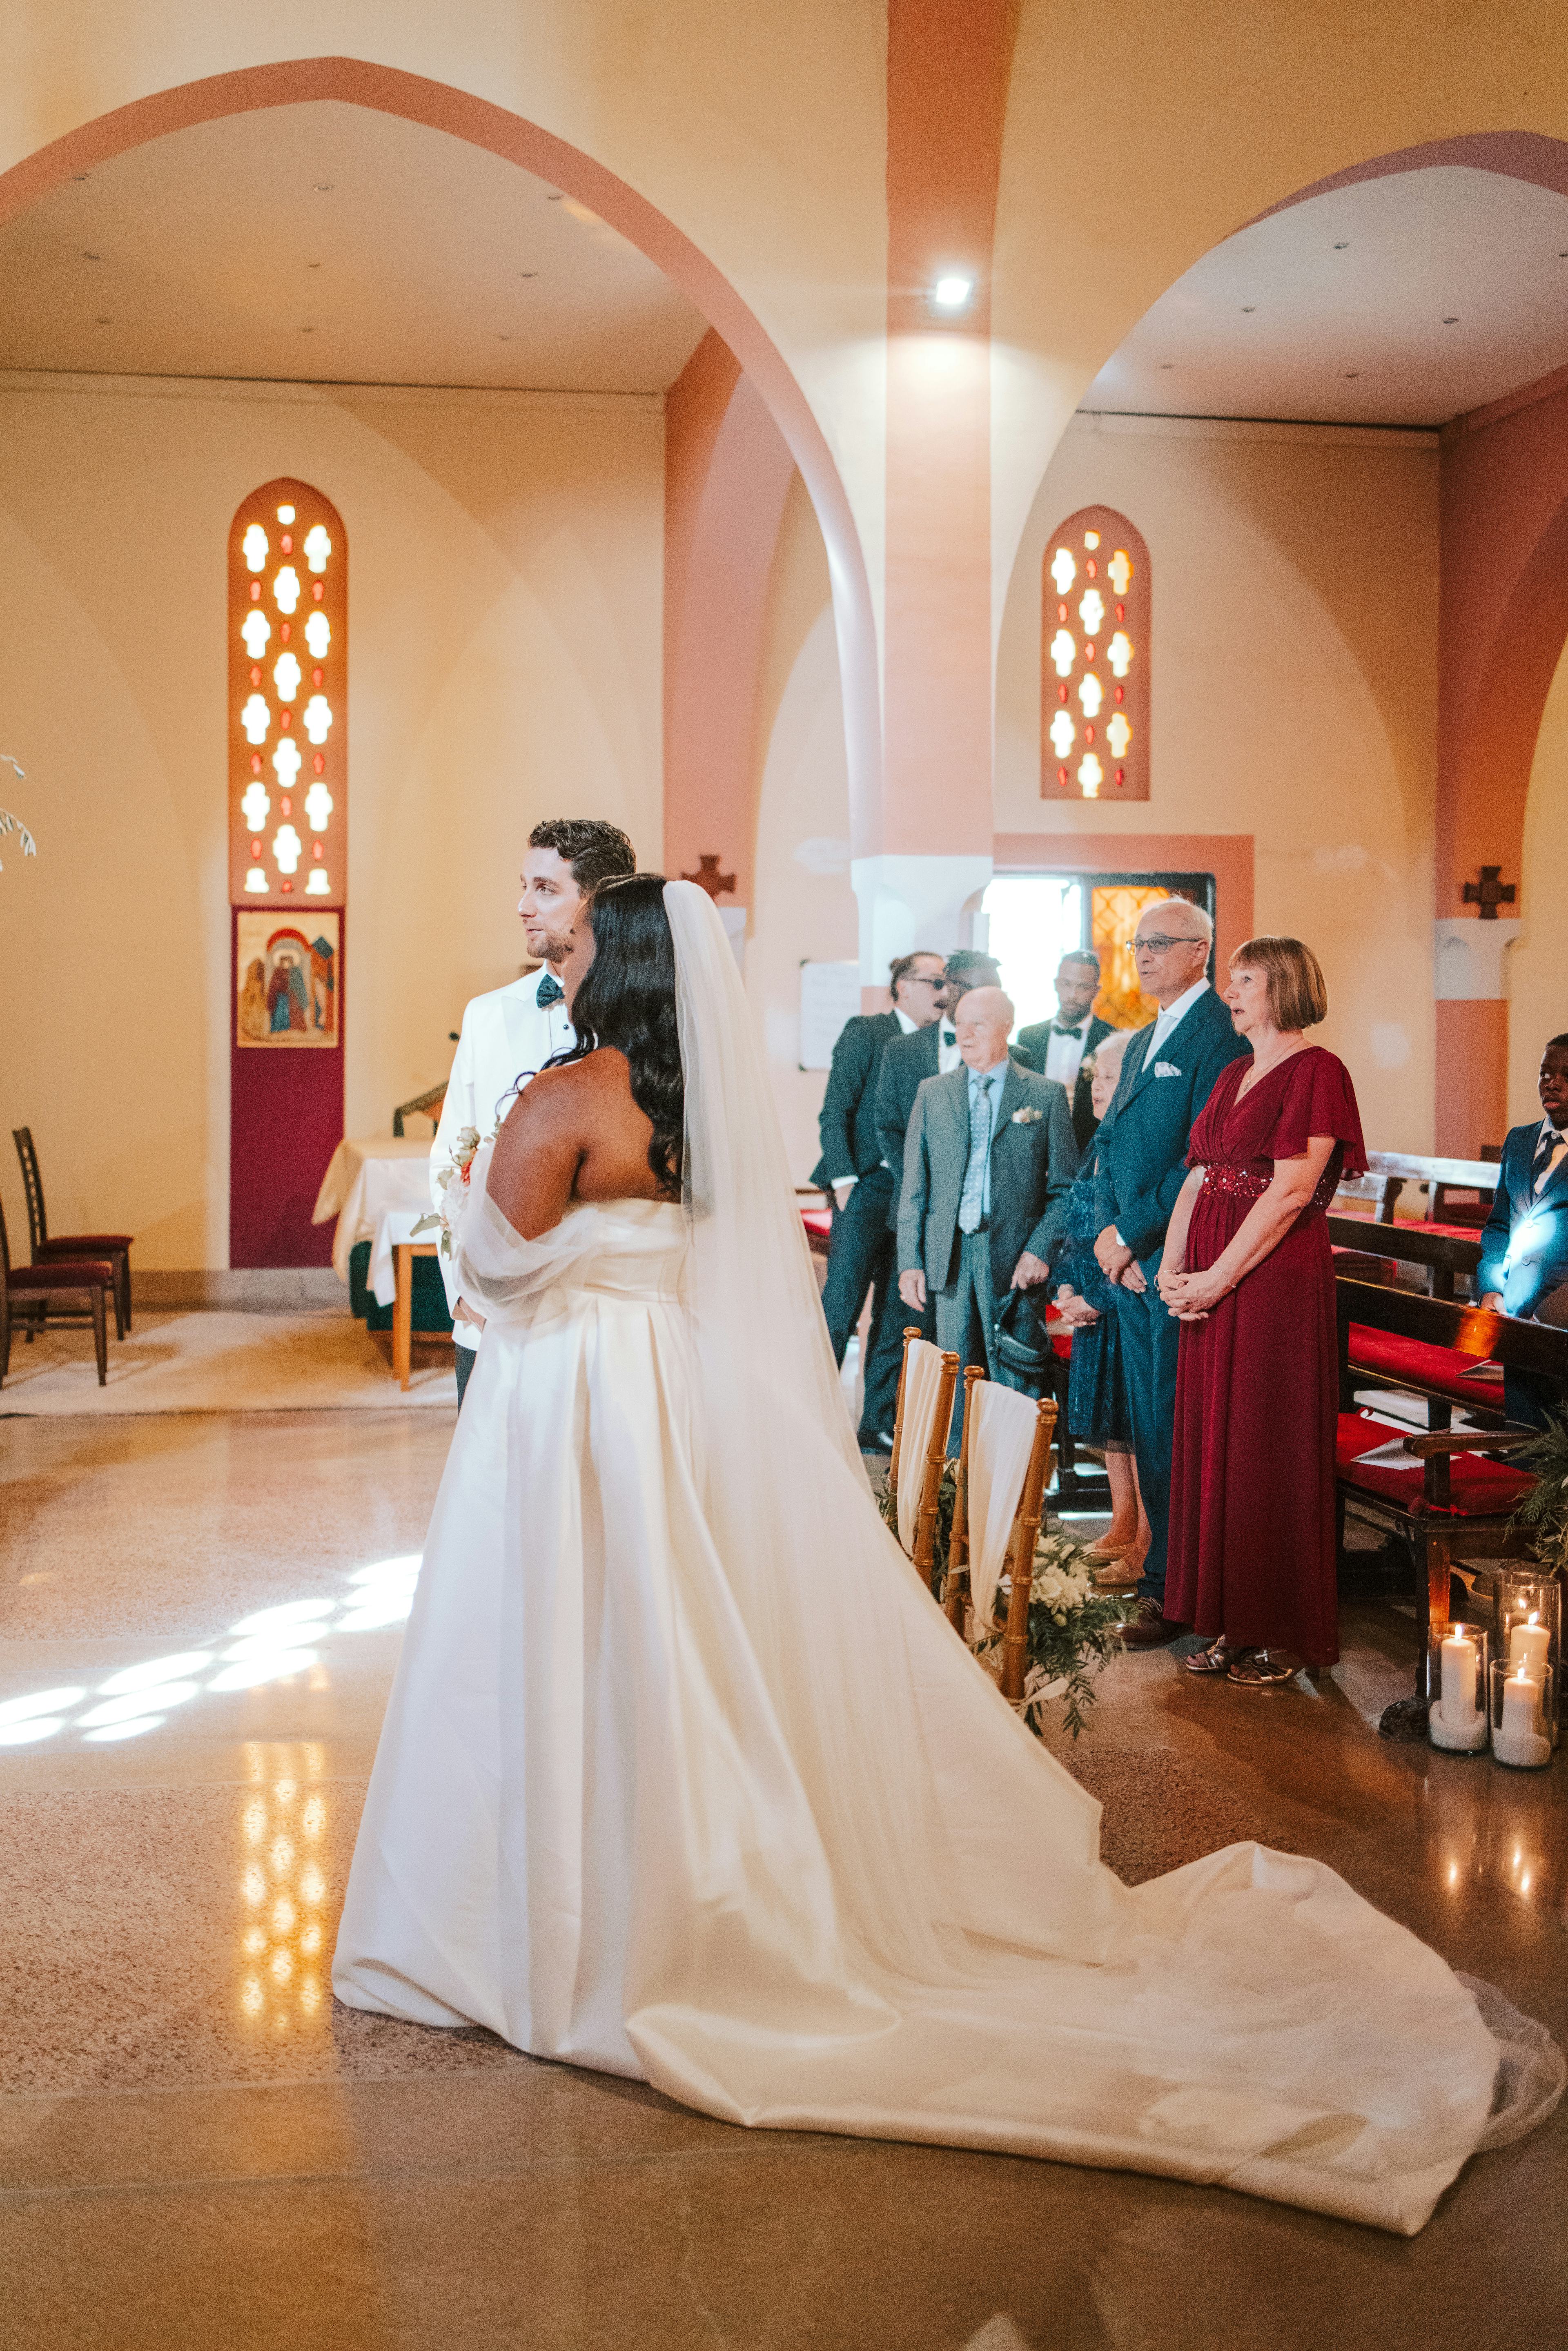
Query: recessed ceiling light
[(1350, 373), (952, 292), (308, 331), (312, 265), (79, 175), (553, 197), (503, 338), (322, 187), (92, 257), (1248, 308), (1167, 363), (1344, 248), (1450, 322), (103, 322), (527, 272)]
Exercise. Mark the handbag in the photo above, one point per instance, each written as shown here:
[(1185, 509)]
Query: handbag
[(1022, 1349)]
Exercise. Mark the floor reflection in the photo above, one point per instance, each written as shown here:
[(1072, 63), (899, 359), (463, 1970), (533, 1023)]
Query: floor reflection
[(1489, 1828), (283, 1889)]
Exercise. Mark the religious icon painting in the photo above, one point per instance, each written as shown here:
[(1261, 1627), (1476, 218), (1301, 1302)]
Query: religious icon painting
[(288, 978)]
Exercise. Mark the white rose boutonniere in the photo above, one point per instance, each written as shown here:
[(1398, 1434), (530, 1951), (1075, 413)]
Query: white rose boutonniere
[(1028, 1116)]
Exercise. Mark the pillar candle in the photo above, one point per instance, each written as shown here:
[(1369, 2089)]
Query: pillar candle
[(1460, 1699), (1520, 1737), (1528, 1646)]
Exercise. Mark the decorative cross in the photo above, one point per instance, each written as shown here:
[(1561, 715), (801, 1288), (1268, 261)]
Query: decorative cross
[(1489, 893), (709, 877)]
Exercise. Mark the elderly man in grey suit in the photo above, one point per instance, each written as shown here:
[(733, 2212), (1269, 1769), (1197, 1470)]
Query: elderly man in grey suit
[(988, 1162)]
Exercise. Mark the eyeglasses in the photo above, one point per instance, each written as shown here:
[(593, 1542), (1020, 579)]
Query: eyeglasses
[(1156, 942), (922, 980)]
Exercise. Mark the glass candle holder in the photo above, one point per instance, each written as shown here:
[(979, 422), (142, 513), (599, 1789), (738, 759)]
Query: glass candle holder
[(1523, 1712), (1530, 1621), (1458, 1659)]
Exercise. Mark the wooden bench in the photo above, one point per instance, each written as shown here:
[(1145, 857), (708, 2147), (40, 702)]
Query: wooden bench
[(1388, 1172), (1458, 1486)]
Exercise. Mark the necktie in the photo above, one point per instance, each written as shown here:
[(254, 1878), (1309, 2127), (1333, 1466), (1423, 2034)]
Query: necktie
[(550, 991), (949, 1036), (1549, 1153), (1057, 1030), (971, 1204)]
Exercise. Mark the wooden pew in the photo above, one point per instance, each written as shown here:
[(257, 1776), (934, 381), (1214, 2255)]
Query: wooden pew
[(1459, 1488), (1390, 1171), (1447, 1256)]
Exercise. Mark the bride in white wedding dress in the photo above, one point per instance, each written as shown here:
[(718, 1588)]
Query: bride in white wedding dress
[(683, 1777)]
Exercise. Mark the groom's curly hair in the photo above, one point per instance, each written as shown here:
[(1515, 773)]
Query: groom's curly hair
[(597, 852), (627, 998)]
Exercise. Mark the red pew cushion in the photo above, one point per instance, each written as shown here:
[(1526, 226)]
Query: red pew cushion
[(1479, 1487), (819, 1224), (1398, 1362)]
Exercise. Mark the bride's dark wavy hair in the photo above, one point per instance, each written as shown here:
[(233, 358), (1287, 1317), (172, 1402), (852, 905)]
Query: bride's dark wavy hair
[(627, 999)]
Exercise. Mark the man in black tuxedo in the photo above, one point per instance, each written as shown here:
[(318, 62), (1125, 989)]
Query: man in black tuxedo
[(1168, 1073), (861, 1252), (1059, 1048)]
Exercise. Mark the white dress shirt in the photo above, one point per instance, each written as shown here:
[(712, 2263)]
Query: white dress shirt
[(946, 1048), (1064, 1054), (1168, 1020), (1548, 1133), (506, 1035)]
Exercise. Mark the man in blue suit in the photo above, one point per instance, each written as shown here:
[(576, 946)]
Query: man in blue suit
[(1524, 1247), (1167, 1074)]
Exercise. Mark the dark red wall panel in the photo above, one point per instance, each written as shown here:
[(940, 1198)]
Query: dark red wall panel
[(285, 1120)]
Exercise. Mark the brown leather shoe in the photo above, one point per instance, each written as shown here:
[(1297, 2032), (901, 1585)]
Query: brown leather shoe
[(1149, 1629)]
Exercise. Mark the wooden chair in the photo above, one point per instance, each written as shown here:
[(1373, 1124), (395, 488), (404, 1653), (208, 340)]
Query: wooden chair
[(426, 1105), (32, 1288), (974, 1545), (73, 1247), (926, 1383)]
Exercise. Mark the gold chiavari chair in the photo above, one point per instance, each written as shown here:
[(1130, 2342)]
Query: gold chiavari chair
[(1005, 1458), (1020, 1554), (956, 1582), (926, 1384)]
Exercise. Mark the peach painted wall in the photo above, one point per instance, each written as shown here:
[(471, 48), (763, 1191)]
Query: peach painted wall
[(1295, 633), (1537, 969), (505, 555)]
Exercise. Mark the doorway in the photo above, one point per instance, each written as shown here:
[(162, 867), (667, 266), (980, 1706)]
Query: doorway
[(1030, 921)]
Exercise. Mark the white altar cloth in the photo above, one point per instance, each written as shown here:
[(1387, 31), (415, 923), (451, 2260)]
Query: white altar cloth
[(377, 1189)]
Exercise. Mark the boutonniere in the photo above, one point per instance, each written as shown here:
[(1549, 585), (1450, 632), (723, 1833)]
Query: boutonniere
[(1027, 1116)]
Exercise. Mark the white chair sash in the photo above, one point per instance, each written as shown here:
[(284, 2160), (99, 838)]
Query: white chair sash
[(922, 1382), (1000, 1443)]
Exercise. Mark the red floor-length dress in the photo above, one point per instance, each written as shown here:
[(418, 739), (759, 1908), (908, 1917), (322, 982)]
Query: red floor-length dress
[(1252, 1470)]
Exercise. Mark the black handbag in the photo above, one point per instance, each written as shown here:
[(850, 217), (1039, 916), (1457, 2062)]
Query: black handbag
[(1022, 1349)]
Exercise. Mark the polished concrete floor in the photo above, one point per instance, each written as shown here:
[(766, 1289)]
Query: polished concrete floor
[(198, 1620)]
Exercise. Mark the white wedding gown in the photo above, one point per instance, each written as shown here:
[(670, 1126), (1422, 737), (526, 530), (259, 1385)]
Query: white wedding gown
[(684, 1777)]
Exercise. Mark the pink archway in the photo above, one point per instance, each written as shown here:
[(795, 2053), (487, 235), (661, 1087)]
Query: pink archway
[(388, 89)]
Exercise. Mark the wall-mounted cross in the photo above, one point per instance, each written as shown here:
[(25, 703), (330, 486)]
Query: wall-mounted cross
[(709, 877), (1489, 893)]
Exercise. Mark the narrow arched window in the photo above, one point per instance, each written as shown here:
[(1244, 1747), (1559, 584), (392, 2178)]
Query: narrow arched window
[(288, 716), (1094, 659)]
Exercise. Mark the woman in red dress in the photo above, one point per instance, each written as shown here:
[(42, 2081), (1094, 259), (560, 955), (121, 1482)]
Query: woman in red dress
[(1247, 1270)]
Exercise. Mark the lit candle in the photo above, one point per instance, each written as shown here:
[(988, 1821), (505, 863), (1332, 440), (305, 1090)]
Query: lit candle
[(1459, 1702), (1528, 1644), (1519, 1738)]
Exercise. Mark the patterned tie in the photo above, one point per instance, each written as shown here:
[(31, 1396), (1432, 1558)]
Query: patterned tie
[(1549, 1153), (550, 991), (972, 1200)]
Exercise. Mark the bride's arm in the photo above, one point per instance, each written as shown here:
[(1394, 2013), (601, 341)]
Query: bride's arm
[(538, 1152)]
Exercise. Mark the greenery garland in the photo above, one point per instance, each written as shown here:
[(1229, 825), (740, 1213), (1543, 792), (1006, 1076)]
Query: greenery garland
[(1545, 1509), (1074, 1628)]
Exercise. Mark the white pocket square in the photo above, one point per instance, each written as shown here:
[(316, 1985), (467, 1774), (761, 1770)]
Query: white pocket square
[(1166, 1070)]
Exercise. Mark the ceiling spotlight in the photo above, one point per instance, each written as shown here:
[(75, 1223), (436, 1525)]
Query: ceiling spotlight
[(527, 272), (103, 322), (1344, 248), (312, 265), (553, 197), (322, 187), (1248, 308), (951, 293), (308, 331), (1351, 373), (79, 175), (92, 257), (1450, 322), (503, 338), (1167, 363)]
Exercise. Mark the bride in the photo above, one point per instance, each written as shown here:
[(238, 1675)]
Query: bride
[(683, 1776)]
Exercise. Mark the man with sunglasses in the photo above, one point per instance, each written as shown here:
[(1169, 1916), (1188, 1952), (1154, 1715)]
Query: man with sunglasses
[(1167, 1074), (860, 1253)]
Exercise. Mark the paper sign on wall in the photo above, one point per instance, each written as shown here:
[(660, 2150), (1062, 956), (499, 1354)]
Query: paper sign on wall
[(830, 994)]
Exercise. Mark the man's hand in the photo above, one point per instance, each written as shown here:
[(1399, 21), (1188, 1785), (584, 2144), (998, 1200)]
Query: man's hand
[(912, 1288), (1492, 1301), (1132, 1276), (842, 1197), (464, 1312), (1028, 1270), (1112, 1256)]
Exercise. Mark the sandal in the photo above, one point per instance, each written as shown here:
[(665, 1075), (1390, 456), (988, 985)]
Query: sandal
[(1256, 1669), (1214, 1659)]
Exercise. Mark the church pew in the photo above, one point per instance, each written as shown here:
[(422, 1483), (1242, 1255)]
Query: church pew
[(1458, 1487)]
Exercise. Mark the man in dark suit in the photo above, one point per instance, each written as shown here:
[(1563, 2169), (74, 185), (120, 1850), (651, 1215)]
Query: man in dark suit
[(1524, 1245), (860, 1251), (1059, 1048), (989, 1163), (1167, 1074)]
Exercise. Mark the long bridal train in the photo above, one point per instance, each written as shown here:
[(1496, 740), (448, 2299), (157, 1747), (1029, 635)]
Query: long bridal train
[(685, 1777)]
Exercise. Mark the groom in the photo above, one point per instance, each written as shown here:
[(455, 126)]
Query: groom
[(512, 1032)]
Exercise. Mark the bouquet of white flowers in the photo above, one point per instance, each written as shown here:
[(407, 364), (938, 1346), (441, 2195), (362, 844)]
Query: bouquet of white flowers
[(455, 1179)]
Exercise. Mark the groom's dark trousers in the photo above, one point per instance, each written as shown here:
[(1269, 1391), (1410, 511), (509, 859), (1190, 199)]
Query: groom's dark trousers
[(1141, 1165)]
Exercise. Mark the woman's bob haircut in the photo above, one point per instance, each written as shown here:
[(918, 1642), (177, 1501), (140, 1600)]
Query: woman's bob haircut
[(1298, 993)]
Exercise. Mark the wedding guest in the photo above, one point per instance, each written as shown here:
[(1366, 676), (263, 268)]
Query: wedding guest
[(1525, 1244), (509, 1033), (1098, 1412), (1248, 1274), (988, 1166), (1168, 1075), (860, 1251), (1063, 1049)]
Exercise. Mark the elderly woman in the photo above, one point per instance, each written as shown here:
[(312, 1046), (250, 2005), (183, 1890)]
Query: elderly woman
[(1097, 1410), (1247, 1271)]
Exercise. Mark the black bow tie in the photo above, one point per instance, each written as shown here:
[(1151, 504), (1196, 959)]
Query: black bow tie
[(1057, 1030), (550, 991)]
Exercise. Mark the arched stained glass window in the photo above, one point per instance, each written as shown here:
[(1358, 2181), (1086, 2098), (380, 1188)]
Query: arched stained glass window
[(289, 718), (1094, 661)]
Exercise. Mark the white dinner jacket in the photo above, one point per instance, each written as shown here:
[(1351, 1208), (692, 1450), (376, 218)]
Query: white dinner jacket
[(505, 1036)]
